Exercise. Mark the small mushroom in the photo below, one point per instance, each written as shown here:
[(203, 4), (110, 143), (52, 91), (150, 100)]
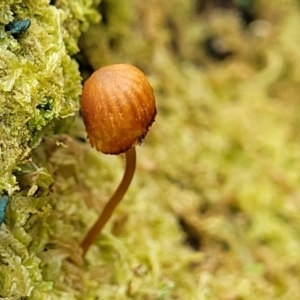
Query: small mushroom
[(118, 107)]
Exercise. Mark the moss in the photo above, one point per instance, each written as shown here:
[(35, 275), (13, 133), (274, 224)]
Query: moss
[(213, 209), (40, 86), (40, 82), (222, 157)]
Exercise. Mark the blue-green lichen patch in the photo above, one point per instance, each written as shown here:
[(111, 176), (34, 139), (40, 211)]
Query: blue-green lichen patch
[(3, 206), (18, 26)]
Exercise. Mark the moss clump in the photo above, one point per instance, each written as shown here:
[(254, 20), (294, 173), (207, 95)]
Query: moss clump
[(213, 209), (39, 88), (40, 82)]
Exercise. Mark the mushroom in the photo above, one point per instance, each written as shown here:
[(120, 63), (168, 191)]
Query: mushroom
[(118, 107)]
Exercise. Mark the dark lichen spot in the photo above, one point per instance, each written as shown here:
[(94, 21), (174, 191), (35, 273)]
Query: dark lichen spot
[(17, 27), (3, 206)]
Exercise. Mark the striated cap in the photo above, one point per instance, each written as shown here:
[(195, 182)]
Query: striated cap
[(118, 107)]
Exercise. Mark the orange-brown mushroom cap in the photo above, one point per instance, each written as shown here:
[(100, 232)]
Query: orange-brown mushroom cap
[(118, 107)]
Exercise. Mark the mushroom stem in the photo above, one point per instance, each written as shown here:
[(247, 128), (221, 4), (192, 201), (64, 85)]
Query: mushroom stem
[(113, 201)]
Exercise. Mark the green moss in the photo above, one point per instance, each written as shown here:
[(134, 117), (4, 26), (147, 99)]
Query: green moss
[(40, 82), (213, 209), (222, 158), (40, 86)]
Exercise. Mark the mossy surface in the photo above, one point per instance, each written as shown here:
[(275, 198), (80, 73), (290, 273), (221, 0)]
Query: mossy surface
[(40, 83), (213, 209), (39, 89)]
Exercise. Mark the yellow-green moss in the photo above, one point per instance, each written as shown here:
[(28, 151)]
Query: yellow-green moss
[(39, 86), (222, 158), (40, 82), (213, 209)]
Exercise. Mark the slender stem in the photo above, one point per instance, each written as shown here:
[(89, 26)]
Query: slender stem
[(113, 201)]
